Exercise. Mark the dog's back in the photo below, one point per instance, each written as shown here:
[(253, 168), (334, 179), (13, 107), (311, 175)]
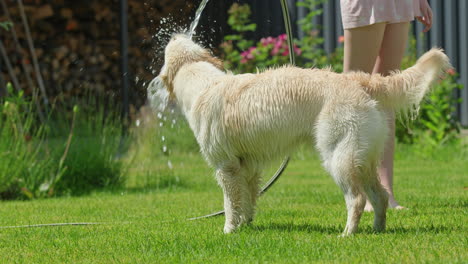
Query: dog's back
[(279, 105)]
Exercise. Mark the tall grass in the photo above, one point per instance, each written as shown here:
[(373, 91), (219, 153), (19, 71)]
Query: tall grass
[(73, 153), (157, 141), (92, 159), (25, 169)]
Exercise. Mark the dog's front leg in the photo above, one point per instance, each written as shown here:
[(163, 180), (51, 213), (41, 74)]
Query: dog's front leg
[(236, 197)]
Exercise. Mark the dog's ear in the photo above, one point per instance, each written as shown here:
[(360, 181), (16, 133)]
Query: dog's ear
[(167, 80), (167, 76)]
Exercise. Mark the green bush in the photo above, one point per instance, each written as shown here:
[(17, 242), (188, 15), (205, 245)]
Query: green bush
[(436, 125), (242, 55), (89, 145), (25, 169), (50, 159)]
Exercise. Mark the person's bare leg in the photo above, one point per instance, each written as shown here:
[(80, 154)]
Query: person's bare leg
[(389, 59), (362, 46)]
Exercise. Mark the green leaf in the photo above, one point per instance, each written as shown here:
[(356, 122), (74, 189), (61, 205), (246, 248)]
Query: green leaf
[(232, 37), (27, 193), (250, 27), (6, 25), (9, 87)]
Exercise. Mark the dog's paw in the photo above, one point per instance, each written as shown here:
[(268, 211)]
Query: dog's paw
[(379, 228), (349, 231), (228, 229)]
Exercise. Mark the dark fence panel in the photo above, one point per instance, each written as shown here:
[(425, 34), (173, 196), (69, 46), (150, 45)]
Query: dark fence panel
[(463, 59), (450, 30)]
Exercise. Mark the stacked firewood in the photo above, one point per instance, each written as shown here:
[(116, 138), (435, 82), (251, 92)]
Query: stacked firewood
[(77, 43)]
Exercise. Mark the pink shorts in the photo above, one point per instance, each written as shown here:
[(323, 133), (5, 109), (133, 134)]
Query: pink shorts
[(359, 13)]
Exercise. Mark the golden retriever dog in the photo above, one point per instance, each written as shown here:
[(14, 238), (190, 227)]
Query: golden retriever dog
[(244, 121)]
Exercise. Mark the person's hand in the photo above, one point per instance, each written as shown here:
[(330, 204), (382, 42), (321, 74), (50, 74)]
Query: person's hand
[(426, 15)]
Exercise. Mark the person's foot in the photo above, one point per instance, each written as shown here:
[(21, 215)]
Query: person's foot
[(393, 204)]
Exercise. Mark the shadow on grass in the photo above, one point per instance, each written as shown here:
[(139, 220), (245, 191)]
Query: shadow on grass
[(163, 185), (338, 229), (292, 227), (152, 188), (423, 229)]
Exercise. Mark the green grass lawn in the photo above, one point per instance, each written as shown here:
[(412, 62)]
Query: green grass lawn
[(298, 220)]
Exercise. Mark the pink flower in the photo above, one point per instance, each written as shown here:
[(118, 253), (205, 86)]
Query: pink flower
[(341, 39), (248, 54), (251, 51), (282, 37), (285, 52), (279, 43), (297, 50), (267, 41), (275, 50), (451, 71)]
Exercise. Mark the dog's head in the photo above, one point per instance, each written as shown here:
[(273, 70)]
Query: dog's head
[(179, 51)]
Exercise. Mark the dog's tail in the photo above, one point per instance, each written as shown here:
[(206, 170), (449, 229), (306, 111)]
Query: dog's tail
[(403, 91)]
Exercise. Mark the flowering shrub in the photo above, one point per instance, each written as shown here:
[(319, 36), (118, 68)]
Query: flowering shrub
[(266, 53), (242, 55)]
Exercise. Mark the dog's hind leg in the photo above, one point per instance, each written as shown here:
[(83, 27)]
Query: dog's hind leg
[(346, 176), (355, 202), (378, 198), (253, 178), (339, 162), (237, 199), (376, 193), (338, 142)]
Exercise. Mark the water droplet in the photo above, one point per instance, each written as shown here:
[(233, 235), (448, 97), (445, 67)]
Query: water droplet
[(160, 124), (163, 138), (164, 148), (137, 123), (169, 164)]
